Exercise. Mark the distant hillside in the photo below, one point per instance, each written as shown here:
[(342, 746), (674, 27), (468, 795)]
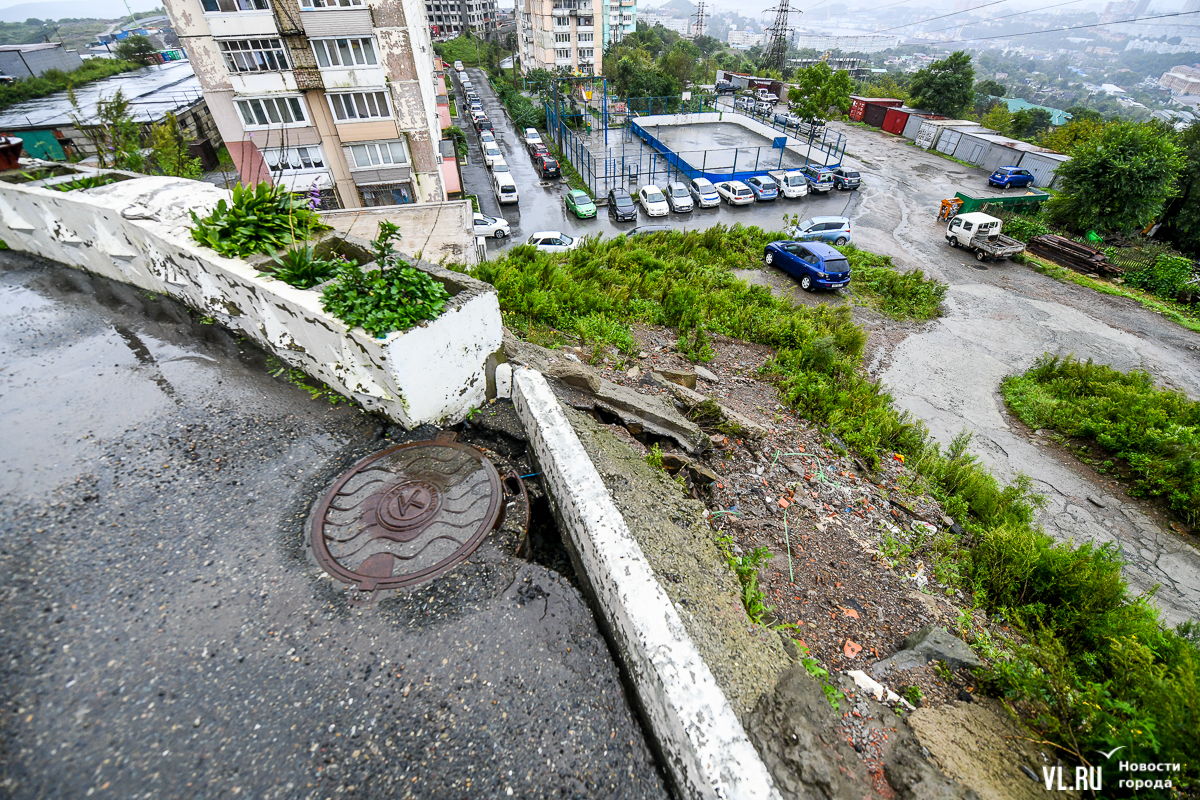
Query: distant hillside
[(75, 9)]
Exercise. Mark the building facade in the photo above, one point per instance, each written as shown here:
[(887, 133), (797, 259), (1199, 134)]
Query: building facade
[(450, 18), (561, 33), (339, 95)]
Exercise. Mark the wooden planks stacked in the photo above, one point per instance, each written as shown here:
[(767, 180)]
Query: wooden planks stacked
[(1073, 255)]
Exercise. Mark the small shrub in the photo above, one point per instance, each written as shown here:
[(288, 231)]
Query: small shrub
[(393, 298), (257, 220)]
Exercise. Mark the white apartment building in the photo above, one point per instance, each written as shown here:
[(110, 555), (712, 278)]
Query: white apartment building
[(561, 33), (337, 94), (454, 17)]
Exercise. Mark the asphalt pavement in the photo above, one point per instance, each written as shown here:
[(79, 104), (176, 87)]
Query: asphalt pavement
[(164, 633), (543, 207)]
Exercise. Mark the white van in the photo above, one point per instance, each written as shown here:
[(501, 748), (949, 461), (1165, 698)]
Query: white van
[(505, 188)]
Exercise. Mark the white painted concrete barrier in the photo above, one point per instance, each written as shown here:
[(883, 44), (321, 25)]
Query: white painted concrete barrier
[(702, 742), (137, 232)]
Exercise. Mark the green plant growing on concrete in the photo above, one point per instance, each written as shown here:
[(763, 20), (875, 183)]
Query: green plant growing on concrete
[(394, 297), (256, 220)]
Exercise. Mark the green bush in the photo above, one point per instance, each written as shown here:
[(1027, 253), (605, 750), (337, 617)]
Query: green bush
[(1155, 431), (394, 297), (258, 220)]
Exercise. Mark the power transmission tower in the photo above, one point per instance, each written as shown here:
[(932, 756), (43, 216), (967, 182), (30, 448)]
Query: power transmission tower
[(775, 53), (698, 31)]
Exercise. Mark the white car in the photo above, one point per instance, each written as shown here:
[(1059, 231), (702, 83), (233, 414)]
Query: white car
[(496, 227), (492, 154), (735, 193), (532, 136), (487, 136), (653, 202), (553, 242)]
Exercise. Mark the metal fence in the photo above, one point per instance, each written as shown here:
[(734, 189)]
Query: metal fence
[(606, 159)]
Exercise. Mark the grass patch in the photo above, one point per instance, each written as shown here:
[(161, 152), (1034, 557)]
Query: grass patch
[(1155, 431), (53, 81), (900, 295), (1096, 669)]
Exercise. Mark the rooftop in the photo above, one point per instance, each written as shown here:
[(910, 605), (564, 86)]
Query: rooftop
[(152, 91)]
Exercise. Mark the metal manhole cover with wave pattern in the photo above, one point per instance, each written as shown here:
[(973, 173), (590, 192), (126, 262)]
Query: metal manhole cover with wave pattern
[(407, 514)]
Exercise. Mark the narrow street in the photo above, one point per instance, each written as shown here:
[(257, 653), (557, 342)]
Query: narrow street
[(165, 633)]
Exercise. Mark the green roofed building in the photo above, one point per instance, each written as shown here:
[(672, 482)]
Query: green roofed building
[(1057, 115)]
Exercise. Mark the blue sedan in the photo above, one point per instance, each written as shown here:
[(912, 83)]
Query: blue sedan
[(1007, 177), (814, 264), (763, 188)]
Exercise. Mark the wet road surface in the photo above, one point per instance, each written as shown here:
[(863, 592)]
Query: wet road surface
[(164, 634)]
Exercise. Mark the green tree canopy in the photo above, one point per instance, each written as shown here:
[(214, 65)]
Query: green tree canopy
[(1118, 181), (819, 89), (944, 87)]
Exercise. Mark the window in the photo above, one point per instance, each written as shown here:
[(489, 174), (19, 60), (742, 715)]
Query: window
[(294, 159), (378, 154), (254, 55), (360, 105), (271, 111), (236, 5), (329, 3), (386, 194), (562, 53), (562, 38), (344, 52)]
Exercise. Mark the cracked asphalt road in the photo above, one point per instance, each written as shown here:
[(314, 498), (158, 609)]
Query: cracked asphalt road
[(164, 634)]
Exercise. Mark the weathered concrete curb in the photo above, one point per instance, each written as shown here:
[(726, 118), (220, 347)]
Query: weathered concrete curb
[(138, 232), (704, 747)]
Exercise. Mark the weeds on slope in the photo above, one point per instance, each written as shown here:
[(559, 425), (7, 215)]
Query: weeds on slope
[(1156, 432), (1097, 669)]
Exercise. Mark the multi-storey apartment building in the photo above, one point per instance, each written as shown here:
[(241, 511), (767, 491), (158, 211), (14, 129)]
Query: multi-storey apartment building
[(453, 17), (561, 33), (337, 94)]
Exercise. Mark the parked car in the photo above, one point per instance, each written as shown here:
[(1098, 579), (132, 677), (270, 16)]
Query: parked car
[(725, 87), (678, 197), (704, 193), (846, 179), (762, 188), (820, 179), (548, 166), (553, 242), (492, 154), (536, 150), (458, 66), (645, 230), (620, 206), (735, 193), (579, 204), (823, 229), (1008, 177), (496, 227), (652, 201), (813, 264), (531, 136)]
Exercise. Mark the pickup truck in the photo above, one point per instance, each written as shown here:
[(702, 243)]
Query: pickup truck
[(980, 233), (791, 182)]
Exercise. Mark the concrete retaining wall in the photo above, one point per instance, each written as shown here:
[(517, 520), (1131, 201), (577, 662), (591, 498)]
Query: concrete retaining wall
[(137, 232), (703, 745)]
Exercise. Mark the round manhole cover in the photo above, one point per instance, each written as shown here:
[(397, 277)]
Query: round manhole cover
[(406, 515)]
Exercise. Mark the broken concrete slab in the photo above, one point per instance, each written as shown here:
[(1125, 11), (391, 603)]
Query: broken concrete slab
[(738, 423), (930, 643)]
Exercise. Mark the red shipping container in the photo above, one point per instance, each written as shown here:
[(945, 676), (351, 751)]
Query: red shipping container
[(894, 120)]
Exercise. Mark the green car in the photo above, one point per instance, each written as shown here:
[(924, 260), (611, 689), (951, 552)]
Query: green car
[(579, 202)]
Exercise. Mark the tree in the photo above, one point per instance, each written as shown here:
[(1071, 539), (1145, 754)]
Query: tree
[(990, 88), (944, 87), (136, 48), (999, 119), (819, 89), (1118, 181)]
